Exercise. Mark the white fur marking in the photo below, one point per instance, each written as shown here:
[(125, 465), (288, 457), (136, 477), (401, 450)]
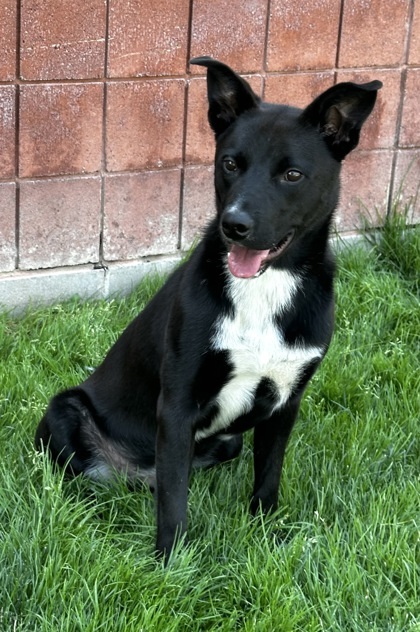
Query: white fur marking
[(104, 472), (256, 346), (233, 208), (100, 472)]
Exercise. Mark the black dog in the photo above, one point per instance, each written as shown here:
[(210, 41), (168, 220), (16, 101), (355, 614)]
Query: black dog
[(231, 340)]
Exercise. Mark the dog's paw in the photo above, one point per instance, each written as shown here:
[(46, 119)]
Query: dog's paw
[(166, 547), (264, 505)]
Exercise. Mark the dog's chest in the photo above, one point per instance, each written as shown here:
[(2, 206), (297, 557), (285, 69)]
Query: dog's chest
[(256, 346)]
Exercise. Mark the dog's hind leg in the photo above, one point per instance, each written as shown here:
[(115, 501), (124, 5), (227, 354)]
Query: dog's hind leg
[(217, 449), (59, 431)]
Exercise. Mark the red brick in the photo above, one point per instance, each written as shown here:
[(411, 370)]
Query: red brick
[(141, 214), (303, 36), (8, 25), (147, 38), (366, 177), (7, 226), (144, 124), (200, 144), (380, 130), (60, 129), (59, 222), (296, 89), (199, 203), (62, 40), (406, 191), (373, 33), (7, 131), (410, 128), (233, 33), (414, 56)]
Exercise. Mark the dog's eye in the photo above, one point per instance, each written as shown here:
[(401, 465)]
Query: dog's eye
[(293, 175), (229, 165)]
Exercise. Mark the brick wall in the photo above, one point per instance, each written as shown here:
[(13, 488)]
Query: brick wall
[(105, 153)]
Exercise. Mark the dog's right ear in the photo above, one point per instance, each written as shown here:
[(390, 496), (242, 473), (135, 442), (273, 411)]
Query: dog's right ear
[(229, 95)]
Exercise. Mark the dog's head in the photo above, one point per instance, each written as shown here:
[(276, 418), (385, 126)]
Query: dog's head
[(277, 167)]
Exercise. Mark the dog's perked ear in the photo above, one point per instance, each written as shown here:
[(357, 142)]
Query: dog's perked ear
[(229, 95), (340, 112)]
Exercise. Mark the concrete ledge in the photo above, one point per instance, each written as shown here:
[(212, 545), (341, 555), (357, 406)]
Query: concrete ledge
[(18, 290), (21, 289)]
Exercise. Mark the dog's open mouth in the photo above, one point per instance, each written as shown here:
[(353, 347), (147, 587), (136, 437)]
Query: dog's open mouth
[(246, 263)]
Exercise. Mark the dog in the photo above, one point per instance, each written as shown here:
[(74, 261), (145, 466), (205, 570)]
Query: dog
[(231, 340)]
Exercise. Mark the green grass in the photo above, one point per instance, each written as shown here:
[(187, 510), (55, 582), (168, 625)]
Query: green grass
[(339, 555)]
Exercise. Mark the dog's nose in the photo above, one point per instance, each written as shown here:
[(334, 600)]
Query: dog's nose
[(237, 225)]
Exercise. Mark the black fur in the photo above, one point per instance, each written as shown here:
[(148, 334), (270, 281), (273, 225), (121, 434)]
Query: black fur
[(156, 399)]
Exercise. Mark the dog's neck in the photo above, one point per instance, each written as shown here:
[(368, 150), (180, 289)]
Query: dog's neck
[(273, 292)]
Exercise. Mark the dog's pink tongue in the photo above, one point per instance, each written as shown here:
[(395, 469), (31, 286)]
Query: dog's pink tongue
[(244, 262)]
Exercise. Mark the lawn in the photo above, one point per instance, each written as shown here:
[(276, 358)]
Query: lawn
[(339, 555)]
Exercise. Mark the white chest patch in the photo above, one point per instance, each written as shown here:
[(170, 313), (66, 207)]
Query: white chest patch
[(256, 346)]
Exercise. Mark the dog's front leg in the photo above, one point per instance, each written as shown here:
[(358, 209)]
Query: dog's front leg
[(270, 440), (174, 453)]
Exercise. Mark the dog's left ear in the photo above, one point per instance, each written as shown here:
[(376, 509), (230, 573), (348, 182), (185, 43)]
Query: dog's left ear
[(229, 95), (340, 112)]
